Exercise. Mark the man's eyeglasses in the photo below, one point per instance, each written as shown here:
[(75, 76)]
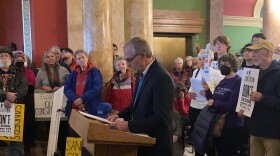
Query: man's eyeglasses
[(129, 60)]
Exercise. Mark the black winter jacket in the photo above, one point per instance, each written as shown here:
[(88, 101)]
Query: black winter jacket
[(202, 137), (264, 121)]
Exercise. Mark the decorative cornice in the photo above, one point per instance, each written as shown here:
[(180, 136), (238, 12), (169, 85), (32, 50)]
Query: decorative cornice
[(243, 21), (174, 21)]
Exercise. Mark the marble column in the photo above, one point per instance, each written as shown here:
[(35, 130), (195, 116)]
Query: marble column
[(117, 9), (139, 20), (75, 24), (216, 9), (97, 35), (271, 20)]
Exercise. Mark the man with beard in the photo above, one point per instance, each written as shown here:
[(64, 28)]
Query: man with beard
[(13, 87)]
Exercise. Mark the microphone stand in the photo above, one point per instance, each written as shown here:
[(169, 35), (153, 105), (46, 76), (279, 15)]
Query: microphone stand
[(117, 73)]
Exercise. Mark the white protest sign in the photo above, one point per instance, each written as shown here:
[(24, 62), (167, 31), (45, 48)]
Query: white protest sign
[(214, 65), (240, 73), (18, 118), (7, 120), (44, 103), (248, 84), (206, 64), (55, 120)]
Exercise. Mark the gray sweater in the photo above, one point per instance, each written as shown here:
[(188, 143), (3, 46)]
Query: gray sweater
[(42, 77)]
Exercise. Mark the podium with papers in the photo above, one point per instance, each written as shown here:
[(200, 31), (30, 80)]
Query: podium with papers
[(100, 140)]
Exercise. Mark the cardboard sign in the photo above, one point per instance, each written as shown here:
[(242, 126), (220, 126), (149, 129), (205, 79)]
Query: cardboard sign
[(248, 84), (73, 146), (18, 120), (44, 103), (7, 120)]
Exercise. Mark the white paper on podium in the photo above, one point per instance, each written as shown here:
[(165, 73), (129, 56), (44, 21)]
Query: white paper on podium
[(95, 117)]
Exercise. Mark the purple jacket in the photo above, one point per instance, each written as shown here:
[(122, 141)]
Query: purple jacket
[(225, 100)]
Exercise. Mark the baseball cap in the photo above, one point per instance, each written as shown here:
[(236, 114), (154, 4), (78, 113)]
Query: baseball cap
[(263, 44), (103, 109), (4, 49), (17, 54), (66, 50)]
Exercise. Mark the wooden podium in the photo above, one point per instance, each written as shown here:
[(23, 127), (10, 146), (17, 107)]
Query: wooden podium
[(100, 140)]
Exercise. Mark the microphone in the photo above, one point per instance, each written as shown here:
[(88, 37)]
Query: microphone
[(116, 73)]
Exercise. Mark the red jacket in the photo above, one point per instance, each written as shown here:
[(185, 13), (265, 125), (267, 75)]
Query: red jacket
[(182, 106), (30, 76), (120, 92), (182, 77)]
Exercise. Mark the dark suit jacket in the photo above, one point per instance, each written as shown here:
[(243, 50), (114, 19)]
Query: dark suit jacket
[(152, 111)]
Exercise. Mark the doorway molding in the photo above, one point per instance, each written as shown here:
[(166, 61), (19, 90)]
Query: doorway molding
[(174, 21)]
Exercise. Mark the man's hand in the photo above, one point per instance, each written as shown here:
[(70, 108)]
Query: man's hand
[(113, 118), (192, 95), (81, 106), (241, 113), (210, 102), (55, 89), (204, 84), (255, 96), (175, 138), (120, 125), (78, 101), (202, 92), (11, 96), (7, 104), (47, 88)]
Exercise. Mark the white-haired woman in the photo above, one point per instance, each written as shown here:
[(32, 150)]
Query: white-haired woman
[(198, 104), (51, 76), (179, 74)]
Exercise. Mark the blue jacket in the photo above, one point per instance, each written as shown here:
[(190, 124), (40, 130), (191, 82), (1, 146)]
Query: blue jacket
[(92, 95), (264, 121)]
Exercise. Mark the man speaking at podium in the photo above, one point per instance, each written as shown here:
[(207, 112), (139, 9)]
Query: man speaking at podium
[(151, 106)]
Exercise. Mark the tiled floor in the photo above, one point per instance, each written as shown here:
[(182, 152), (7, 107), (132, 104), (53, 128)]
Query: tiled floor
[(40, 149)]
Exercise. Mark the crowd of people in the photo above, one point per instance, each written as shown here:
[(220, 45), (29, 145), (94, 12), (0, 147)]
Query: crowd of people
[(153, 100)]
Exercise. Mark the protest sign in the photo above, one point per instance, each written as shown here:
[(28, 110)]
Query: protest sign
[(215, 65), (73, 146), (248, 84), (44, 103), (7, 120), (206, 64), (17, 119)]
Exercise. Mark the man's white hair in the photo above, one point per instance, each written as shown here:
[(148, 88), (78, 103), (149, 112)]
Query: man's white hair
[(178, 59), (202, 54)]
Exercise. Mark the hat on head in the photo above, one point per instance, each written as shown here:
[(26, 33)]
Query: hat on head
[(103, 109), (17, 54), (66, 50), (263, 44), (4, 49)]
